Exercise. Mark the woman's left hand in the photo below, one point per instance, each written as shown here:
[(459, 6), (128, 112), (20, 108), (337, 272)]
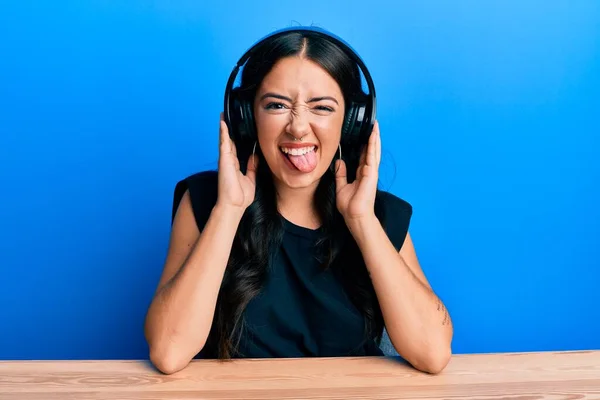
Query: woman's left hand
[(356, 200)]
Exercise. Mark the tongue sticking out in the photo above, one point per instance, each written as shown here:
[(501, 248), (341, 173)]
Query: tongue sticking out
[(304, 163)]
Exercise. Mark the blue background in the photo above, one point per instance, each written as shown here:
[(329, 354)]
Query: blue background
[(489, 116)]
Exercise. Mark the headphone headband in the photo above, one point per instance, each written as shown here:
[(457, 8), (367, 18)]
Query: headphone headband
[(363, 115)]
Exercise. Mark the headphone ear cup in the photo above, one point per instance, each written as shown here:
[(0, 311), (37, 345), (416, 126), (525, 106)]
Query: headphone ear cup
[(361, 124), (242, 118), (237, 116), (355, 129), (349, 121), (248, 121)]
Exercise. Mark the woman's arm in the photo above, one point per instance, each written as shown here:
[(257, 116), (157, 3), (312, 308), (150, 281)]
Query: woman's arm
[(417, 321), (181, 313)]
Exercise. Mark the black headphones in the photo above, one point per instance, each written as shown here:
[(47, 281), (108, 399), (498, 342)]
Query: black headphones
[(360, 114)]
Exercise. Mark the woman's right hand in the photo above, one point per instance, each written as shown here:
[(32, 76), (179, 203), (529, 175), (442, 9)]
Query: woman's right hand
[(236, 190)]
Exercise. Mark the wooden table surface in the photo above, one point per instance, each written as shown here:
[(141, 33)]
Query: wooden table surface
[(523, 376)]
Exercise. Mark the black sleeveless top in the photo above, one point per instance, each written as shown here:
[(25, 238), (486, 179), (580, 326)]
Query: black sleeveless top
[(302, 310)]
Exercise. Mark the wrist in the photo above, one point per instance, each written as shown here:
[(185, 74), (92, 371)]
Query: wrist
[(228, 212)]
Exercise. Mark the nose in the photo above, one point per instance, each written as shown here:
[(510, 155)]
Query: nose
[(299, 125)]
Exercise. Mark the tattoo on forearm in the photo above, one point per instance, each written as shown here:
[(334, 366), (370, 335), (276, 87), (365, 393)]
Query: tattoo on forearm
[(442, 309)]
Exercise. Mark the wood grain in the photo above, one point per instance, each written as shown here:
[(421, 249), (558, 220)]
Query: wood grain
[(517, 376)]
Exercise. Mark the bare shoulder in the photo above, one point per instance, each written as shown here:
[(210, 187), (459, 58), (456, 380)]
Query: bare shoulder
[(184, 230), (396, 216), (193, 199), (184, 234)]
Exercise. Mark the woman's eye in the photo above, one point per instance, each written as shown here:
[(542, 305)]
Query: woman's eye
[(275, 106), (325, 108), (282, 106)]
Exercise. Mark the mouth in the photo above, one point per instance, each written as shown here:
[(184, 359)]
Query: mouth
[(303, 159)]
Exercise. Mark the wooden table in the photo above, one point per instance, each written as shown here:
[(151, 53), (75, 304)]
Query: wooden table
[(523, 376)]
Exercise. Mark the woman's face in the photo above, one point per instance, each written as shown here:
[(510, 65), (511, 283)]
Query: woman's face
[(298, 100)]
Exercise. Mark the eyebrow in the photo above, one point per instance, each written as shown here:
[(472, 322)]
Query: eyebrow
[(311, 100)]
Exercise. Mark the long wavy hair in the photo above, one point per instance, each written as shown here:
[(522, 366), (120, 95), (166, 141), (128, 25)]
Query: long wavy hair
[(261, 227)]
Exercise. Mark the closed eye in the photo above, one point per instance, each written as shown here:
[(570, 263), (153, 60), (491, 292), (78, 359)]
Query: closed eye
[(281, 106), (325, 108)]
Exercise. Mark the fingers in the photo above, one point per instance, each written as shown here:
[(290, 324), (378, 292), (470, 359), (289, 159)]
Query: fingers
[(225, 145), (251, 168), (341, 179), (363, 156), (377, 143), (232, 146), (371, 158)]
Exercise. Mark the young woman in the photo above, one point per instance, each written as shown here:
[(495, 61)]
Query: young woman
[(289, 249)]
